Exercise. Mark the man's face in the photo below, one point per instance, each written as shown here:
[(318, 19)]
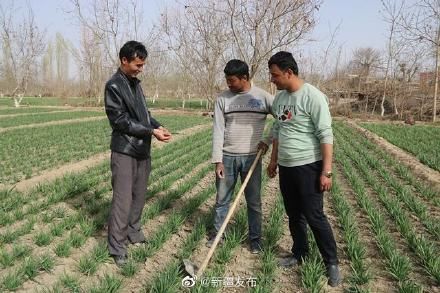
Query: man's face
[(134, 67), (236, 84), (279, 77)]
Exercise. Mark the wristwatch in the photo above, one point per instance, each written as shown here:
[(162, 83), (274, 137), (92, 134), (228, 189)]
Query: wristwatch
[(328, 174)]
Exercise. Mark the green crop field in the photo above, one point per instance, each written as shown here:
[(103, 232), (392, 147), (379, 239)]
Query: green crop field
[(420, 140), (46, 117), (53, 236)]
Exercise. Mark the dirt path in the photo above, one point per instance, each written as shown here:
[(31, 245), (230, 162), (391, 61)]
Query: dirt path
[(50, 123), (420, 170), (76, 167)]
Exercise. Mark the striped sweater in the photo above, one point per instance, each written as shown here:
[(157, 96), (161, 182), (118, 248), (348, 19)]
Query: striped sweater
[(239, 120)]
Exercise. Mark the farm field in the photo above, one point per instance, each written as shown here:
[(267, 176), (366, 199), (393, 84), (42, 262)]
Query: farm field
[(26, 152), (52, 238), (28, 110), (420, 140), (9, 121), (161, 102), (44, 101)]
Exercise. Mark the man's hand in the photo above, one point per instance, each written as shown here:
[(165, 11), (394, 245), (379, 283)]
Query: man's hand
[(164, 130), (162, 134), (325, 183), (272, 169), (220, 170), (263, 147)]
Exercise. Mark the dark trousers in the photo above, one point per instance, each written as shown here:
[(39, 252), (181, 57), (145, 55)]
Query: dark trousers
[(129, 183), (303, 202)]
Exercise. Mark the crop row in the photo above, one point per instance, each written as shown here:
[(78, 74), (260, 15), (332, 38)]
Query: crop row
[(422, 141), (162, 102), (46, 117), (97, 207), (18, 206), (357, 163), (26, 152), (45, 101), (403, 192), (88, 264), (30, 111), (391, 163)]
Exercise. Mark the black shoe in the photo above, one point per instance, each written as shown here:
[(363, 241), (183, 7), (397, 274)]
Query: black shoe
[(139, 243), (334, 278), (120, 260), (288, 262), (255, 247)]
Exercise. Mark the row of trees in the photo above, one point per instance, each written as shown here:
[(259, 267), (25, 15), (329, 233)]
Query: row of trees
[(190, 42)]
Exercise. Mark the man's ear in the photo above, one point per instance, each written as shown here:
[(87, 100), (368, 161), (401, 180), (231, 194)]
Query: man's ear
[(124, 60)]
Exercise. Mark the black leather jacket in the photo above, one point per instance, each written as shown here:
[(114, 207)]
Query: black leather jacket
[(129, 117)]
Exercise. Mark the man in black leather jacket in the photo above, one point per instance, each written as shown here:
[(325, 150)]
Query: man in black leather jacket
[(133, 128)]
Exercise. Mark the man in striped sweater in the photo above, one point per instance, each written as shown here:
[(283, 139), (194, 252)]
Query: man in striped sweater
[(239, 119)]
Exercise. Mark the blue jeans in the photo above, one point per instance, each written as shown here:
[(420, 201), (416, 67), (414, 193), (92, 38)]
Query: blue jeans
[(234, 166)]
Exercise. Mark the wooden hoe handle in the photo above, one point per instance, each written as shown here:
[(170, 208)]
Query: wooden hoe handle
[(228, 216)]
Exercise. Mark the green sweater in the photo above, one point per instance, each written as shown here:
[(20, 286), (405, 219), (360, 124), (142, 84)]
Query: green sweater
[(302, 124)]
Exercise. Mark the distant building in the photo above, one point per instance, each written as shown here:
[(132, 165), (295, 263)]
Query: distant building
[(426, 78)]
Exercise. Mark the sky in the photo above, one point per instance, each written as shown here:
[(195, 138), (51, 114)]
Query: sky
[(361, 22)]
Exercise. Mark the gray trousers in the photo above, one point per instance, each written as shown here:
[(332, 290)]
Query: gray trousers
[(129, 183)]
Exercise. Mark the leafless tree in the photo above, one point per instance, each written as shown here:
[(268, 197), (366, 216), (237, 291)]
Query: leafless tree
[(422, 24), (47, 68), (22, 42), (157, 69), (364, 60), (392, 12), (327, 52), (105, 26), (197, 35), (93, 73), (108, 21), (261, 26)]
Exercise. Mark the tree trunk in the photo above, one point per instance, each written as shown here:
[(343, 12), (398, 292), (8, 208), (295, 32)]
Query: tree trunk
[(156, 94), (437, 57)]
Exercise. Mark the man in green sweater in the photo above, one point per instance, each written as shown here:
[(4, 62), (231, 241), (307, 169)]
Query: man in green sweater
[(302, 151)]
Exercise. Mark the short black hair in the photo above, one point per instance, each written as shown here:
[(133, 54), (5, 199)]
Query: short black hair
[(133, 49), (237, 67), (284, 60)]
